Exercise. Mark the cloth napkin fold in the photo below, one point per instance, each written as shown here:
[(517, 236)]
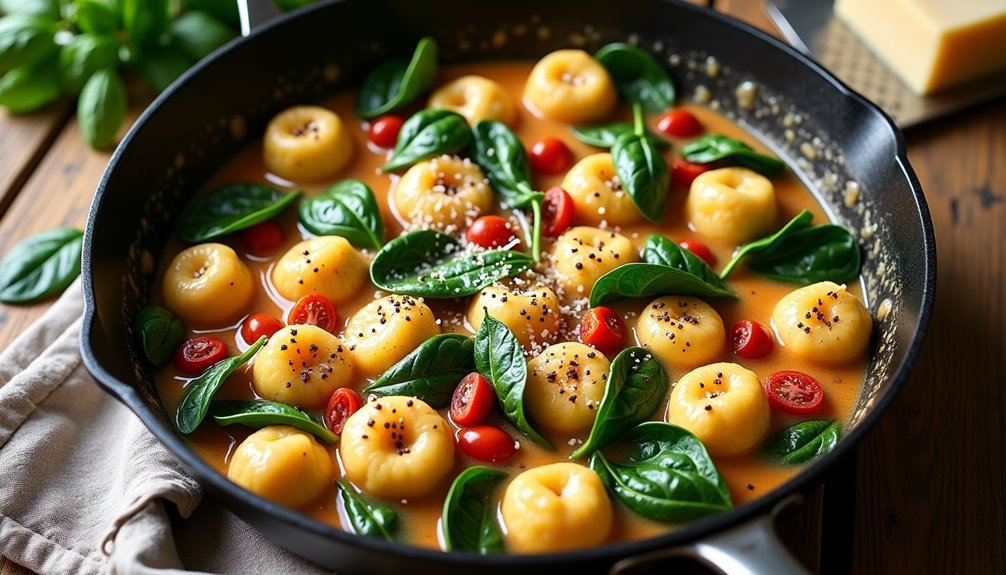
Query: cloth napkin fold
[(85, 488)]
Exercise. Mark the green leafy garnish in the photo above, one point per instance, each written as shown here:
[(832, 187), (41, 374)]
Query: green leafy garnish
[(101, 108), (231, 208), (160, 333), (431, 371), (714, 147), (803, 441), (396, 83), (41, 265), (348, 209), (200, 391), (427, 134), (367, 517), (642, 170), (468, 521), (638, 77), (605, 135), (260, 413)]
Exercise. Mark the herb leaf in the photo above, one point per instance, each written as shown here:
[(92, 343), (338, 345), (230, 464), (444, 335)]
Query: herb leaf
[(101, 108), (638, 77), (259, 413), (366, 517), (160, 333), (348, 209), (28, 87), (25, 39), (642, 170), (815, 254), (804, 441), (648, 280), (231, 208), (799, 222), (468, 520), (426, 134), (396, 83), (196, 401), (714, 147), (660, 250), (41, 265), (431, 371), (605, 135)]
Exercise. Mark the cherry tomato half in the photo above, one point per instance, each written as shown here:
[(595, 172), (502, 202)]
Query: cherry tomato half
[(550, 156), (343, 403), (684, 172), (700, 249), (603, 329), (315, 309), (473, 399), (556, 212), (258, 324), (794, 392), (750, 339), (196, 355), (263, 237), (384, 131), (492, 232), (679, 123), (486, 443)]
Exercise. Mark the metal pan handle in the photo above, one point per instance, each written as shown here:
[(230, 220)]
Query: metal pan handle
[(254, 13)]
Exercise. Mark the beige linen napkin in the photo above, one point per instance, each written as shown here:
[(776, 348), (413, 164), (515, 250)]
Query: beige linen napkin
[(85, 488)]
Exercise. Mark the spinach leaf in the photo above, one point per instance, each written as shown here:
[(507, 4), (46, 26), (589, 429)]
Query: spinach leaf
[(715, 147), (804, 441), (638, 77), (366, 517), (642, 170), (259, 413), (348, 209), (40, 265), (200, 391), (605, 135), (468, 520), (431, 371), (648, 280), (636, 385), (426, 134), (660, 250), (231, 208), (160, 333), (396, 83), (499, 357), (799, 222), (815, 254), (427, 263), (668, 476)]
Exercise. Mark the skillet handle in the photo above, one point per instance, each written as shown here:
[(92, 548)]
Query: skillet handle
[(254, 13)]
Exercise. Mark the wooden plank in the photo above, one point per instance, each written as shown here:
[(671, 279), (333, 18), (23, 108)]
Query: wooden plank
[(8, 567), (24, 139)]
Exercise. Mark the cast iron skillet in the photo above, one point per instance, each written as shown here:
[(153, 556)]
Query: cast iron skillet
[(829, 135)]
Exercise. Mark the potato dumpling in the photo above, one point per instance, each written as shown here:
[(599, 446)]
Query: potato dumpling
[(724, 405), (570, 86), (306, 143), (597, 193), (682, 331), (823, 322), (301, 365), (397, 447), (565, 385), (583, 254), (731, 204), (445, 193), (386, 330), (282, 464), (328, 265), (556, 507), (532, 314), (476, 98), (208, 285)]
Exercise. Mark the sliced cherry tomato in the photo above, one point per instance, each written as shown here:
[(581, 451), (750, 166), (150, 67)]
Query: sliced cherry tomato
[(384, 131), (685, 172), (603, 329), (486, 443), (263, 237), (556, 212), (473, 399), (199, 353), (700, 249), (550, 156), (315, 309), (492, 232), (750, 339), (343, 403), (679, 123), (258, 324), (794, 392)]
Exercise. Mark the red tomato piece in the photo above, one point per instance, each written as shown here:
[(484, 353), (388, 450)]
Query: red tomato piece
[(679, 123), (473, 399), (384, 131), (315, 309), (750, 339), (263, 237), (550, 156), (556, 212), (603, 329), (492, 232), (794, 392), (685, 172), (343, 403), (196, 355), (486, 443), (258, 324), (700, 249)]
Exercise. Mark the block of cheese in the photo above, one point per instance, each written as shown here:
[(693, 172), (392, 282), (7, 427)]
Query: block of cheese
[(931, 44)]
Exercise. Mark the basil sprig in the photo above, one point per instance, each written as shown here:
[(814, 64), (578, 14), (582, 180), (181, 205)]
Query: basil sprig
[(642, 170), (200, 391), (803, 441), (427, 263), (259, 413), (160, 333), (667, 476), (231, 208), (605, 135), (431, 371), (637, 76), (636, 385), (427, 134), (398, 82), (468, 520), (348, 209), (41, 265), (715, 147), (367, 517)]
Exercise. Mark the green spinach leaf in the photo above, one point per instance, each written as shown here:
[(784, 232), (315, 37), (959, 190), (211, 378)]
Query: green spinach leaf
[(231, 208), (426, 134), (638, 77), (41, 265), (799, 222), (431, 371), (642, 170), (468, 520), (200, 391), (804, 441), (396, 83), (649, 280), (259, 413), (160, 333), (660, 250), (605, 135), (815, 254), (366, 517), (715, 147), (348, 209)]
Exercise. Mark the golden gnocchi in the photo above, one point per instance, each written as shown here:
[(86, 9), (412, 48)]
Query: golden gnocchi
[(598, 195), (445, 193), (208, 284), (731, 204), (583, 254), (328, 265), (532, 313), (565, 385), (387, 329), (307, 143), (682, 331), (283, 464), (476, 98), (824, 323), (301, 365), (570, 86)]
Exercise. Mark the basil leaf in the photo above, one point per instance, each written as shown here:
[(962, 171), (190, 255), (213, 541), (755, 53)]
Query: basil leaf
[(431, 371), (145, 20), (231, 208), (715, 147), (668, 476), (160, 333), (40, 265), (427, 263), (636, 385), (638, 77), (605, 135), (97, 17), (499, 357), (259, 413), (396, 83), (649, 280), (642, 171), (84, 56), (32, 86), (366, 517), (348, 209), (25, 40), (162, 66), (101, 108), (200, 391), (41, 8), (660, 250), (198, 34), (815, 254), (468, 520), (802, 442), (799, 222), (427, 134)]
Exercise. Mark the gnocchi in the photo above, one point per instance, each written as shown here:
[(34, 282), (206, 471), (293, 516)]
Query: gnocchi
[(283, 464), (445, 193), (476, 98), (824, 323), (208, 284), (570, 86), (301, 365), (583, 254), (328, 265), (386, 330), (731, 204), (598, 195), (682, 331), (565, 385), (531, 314), (306, 143)]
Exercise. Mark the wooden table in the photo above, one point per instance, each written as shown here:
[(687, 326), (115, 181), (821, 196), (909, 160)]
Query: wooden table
[(927, 490)]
